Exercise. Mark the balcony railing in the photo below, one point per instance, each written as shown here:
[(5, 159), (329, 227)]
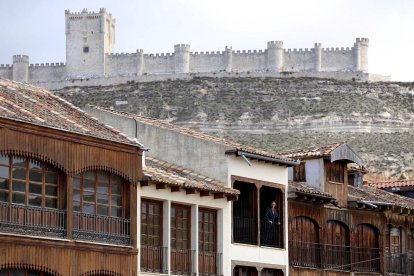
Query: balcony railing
[(154, 259), (209, 264), (334, 257), (400, 263), (32, 220), (99, 228), (269, 234), (244, 230), (182, 262)]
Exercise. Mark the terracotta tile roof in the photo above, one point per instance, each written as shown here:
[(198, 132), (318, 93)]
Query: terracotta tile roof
[(310, 152), (34, 105), (392, 184), (302, 187), (195, 134), (371, 194), (173, 175)]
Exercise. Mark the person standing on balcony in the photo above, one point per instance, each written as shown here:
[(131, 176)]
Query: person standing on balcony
[(273, 219)]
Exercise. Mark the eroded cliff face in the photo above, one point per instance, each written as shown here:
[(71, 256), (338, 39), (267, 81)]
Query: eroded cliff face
[(377, 119)]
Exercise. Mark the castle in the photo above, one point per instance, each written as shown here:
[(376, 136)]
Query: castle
[(91, 60)]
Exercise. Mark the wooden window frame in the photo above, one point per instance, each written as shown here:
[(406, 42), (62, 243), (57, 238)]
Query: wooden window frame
[(160, 205), (238, 271), (188, 229), (109, 194), (335, 172), (299, 172), (27, 181), (202, 233)]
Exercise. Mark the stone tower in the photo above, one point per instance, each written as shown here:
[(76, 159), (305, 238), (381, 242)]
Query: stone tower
[(21, 68), (361, 54), (89, 37), (275, 56), (182, 58)]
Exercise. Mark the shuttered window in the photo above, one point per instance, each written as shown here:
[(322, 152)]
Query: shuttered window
[(335, 172)]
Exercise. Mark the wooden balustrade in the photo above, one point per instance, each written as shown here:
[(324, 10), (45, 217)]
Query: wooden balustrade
[(182, 261), (209, 264)]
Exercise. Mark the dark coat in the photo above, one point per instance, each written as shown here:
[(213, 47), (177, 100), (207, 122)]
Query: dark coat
[(273, 217)]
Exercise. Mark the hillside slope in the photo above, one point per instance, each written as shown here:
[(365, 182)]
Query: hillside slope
[(377, 119)]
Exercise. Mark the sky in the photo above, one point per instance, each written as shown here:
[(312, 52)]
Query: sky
[(36, 27)]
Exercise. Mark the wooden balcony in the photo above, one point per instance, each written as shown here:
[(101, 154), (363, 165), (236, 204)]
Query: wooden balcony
[(98, 228), (210, 264), (244, 230), (400, 264), (182, 262), (154, 259), (333, 257), (31, 220)]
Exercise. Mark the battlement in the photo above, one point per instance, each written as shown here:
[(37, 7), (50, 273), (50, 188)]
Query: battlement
[(337, 49), (6, 66), (46, 65), (275, 44), (121, 55), (21, 59), (88, 14), (158, 55), (361, 41), (181, 47), (317, 45)]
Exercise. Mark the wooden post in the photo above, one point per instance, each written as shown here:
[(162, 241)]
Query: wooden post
[(133, 215), (69, 207)]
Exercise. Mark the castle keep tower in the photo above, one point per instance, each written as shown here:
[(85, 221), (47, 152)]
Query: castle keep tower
[(89, 37), (182, 58), (21, 68), (275, 56), (361, 54)]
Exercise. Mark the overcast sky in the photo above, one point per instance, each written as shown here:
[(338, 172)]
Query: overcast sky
[(36, 27)]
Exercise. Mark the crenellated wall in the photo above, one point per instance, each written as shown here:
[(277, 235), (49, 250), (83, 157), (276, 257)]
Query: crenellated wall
[(90, 57)]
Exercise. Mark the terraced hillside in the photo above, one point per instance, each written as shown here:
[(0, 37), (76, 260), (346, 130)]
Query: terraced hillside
[(377, 119)]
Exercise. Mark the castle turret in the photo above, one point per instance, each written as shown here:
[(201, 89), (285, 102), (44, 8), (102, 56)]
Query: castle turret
[(140, 62), (89, 37), (21, 68), (228, 55), (275, 56), (182, 58), (318, 57), (361, 54)]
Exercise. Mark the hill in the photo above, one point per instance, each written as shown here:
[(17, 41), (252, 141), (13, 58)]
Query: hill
[(377, 119)]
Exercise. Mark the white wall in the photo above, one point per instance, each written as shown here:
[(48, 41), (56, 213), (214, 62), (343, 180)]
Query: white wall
[(195, 201), (270, 173)]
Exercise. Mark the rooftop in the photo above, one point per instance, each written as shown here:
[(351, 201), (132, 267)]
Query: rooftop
[(392, 184), (336, 151), (232, 146), (34, 105), (175, 176)]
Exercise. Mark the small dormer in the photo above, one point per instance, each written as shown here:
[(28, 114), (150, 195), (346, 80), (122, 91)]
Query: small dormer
[(324, 168)]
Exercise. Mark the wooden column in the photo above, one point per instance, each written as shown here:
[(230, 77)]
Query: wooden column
[(133, 215), (69, 207), (258, 186)]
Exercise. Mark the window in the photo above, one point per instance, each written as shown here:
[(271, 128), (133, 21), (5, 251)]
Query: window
[(245, 271), (207, 229), (335, 172), (180, 227), (151, 223), (86, 49), (29, 182), (98, 193), (299, 172), (271, 272)]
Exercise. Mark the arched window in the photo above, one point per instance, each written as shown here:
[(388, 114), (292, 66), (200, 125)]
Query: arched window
[(101, 193), (29, 182), (336, 251), (13, 272), (366, 254), (304, 247)]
